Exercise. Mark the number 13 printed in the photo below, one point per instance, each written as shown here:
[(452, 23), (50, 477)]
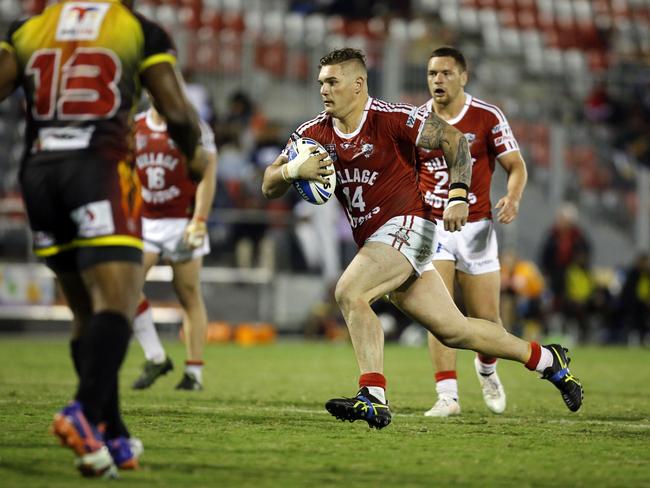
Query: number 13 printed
[(88, 84)]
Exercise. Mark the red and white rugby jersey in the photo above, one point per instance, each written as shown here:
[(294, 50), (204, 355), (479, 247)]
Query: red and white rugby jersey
[(489, 136), (167, 190), (376, 177)]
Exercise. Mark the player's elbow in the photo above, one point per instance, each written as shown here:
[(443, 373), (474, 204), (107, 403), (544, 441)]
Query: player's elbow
[(270, 190), (184, 130)]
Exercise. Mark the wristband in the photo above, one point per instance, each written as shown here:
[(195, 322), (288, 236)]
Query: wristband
[(455, 202), (458, 192), (283, 172)]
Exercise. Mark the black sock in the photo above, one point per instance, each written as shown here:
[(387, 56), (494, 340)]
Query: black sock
[(75, 353), (102, 352), (115, 426)]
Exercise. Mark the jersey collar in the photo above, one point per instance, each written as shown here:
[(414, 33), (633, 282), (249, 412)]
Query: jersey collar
[(153, 125), (344, 135), (461, 114)]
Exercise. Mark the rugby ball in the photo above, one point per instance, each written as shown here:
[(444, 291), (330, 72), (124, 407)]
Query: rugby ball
[(312, 191)]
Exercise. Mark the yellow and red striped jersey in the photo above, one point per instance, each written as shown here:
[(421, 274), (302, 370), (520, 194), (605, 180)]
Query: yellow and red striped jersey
[(80, 65)]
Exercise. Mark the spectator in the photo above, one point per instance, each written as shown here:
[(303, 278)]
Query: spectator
[(564, 241), (635, 300), (522, 288)]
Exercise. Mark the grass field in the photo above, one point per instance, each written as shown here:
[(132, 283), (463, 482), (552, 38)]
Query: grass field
[(261, 422)]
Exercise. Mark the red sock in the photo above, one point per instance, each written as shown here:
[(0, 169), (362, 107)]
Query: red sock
[(486, 359), (194, 362), (535, 355), (142, 306), (372, 379), (446, 375)]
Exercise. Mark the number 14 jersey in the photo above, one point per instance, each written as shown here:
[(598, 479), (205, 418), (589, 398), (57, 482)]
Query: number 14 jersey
[(376, 176)]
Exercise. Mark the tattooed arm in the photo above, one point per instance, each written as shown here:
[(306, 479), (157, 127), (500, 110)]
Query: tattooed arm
[(438, 134)]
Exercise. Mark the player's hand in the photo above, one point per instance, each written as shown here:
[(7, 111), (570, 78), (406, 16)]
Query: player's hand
[(195, 233), (196, 166), (455, 216), (315, 167), (508, 209)]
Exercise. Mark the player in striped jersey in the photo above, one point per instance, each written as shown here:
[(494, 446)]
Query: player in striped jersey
[(372, 145), (469, 257), (81, 65)]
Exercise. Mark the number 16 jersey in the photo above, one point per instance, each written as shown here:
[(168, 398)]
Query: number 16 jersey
[(79, 65)]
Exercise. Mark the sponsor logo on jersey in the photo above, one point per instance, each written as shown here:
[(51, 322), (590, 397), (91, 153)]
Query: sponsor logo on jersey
[(140, 141), (43, 239), (331, 150), (410, 122), (435, 164), (81, 21), (94, 219), (504, 140), (64, 138), (470, 137), (367, 149), (498, 128), (161, 196)]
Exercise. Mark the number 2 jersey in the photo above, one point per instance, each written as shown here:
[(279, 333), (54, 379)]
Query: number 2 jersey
[(489, 136), (167, 190), (80, 65), (376, 176)]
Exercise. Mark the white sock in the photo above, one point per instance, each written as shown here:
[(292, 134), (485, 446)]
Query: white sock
[(378, 392), (144, 331), (195, 370), (447, 387), (545, 360), (485, 368)]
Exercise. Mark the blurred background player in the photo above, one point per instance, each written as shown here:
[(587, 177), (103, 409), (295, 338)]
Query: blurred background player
[(175, 210), (372, 145), (469, 257), (81, 65)]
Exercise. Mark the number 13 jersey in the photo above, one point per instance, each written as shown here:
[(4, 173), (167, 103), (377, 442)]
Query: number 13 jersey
[(80, 65)]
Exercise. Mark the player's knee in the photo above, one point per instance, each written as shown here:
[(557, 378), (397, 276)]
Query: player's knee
[(452, 337), (188, 293), (345, 295)]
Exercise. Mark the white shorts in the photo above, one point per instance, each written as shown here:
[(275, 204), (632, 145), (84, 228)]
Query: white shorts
[(165, 237), (474, 248), (413, 236)]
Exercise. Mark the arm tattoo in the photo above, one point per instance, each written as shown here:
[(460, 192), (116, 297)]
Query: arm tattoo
[(438, 134), (432, 133), (460, 169)]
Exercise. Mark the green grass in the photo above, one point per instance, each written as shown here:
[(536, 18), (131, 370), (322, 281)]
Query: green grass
[(260, 422)]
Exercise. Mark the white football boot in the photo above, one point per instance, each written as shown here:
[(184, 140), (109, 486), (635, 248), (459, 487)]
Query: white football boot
[(446, 406), (493, 393)]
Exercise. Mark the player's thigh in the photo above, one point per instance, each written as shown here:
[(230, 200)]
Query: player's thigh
[(376, 270), (481, 294), (187, 282), (427, 301), (114, 286), (149, 260), (447, 271)]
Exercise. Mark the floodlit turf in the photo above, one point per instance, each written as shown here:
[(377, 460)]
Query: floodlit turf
[(260, 422)]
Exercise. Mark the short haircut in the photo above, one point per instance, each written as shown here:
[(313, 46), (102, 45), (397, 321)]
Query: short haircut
[(339, 56), (450, 52)]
